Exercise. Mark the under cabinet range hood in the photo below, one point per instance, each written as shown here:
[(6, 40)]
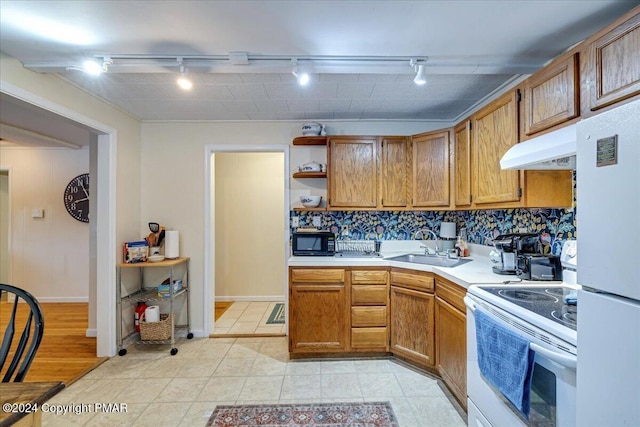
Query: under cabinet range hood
[(555, 150)]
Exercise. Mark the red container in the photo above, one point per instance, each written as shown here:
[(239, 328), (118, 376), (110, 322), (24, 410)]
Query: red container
[(139, 312)]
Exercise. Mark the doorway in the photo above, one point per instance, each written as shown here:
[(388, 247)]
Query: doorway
[(248, 217)]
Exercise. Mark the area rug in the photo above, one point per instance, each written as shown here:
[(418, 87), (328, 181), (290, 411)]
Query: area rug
[(277, 315), (368, 414)]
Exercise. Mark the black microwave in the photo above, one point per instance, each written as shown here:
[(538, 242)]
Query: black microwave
[(314, 243)]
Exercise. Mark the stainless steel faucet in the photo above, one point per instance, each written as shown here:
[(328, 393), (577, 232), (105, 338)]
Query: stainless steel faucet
[(435, 236)]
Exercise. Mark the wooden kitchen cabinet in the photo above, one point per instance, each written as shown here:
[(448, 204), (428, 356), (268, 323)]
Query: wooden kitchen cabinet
[(430, 169), (462, 163), (413, 316), (394, 171), (451, 343), (551, 96), (610, 64), (495, 130), (318, 310), (352, 171), (369, 313)]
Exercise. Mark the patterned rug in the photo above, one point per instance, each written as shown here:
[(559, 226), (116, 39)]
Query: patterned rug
[(368, 414), (277, 315)]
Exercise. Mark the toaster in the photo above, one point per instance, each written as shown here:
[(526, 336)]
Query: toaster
[(539, 267)]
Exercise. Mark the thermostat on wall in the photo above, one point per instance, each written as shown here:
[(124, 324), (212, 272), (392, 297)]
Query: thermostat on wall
[(37, 213)]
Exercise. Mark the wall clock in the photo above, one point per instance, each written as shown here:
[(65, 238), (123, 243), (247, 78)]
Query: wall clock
[(76, 197)]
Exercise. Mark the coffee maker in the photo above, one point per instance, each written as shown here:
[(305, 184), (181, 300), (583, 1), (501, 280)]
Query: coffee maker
[(508, 247)]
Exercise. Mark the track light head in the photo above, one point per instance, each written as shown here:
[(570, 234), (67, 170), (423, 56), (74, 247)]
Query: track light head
[(420, 77), (183, 81), (303, 78)]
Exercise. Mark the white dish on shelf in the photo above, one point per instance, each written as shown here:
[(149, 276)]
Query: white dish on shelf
[(156, 258), (310, 201)]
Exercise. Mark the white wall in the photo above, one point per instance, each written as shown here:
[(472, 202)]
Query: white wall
[(117, 162), (249, 200), (50, 255), (4, 226), (173, 174)]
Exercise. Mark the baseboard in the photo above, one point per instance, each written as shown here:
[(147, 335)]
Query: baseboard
[(276, 298), (91, 333), (62, 299)]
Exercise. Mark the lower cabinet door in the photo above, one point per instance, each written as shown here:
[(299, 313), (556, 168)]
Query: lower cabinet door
[(318, 318), (451, 330), (412, 325)]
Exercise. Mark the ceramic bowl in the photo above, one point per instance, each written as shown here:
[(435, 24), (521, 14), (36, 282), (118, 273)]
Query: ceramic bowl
[(156, 258), (310, 201)]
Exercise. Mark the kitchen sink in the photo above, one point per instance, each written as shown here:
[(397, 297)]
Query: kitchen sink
[(430, 260)]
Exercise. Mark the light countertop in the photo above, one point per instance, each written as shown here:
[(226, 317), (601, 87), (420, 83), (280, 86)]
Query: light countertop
[(478, 271)]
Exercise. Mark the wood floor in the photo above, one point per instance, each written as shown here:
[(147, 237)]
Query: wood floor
[(65, 353), (221, 307)]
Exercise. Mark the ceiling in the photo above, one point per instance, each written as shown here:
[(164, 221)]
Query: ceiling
[(471, 48)]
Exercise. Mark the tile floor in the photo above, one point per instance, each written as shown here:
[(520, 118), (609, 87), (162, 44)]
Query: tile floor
[(244, 317), (183, 390)]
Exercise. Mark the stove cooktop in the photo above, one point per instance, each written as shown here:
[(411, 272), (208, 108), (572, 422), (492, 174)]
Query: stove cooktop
[(547, 302)]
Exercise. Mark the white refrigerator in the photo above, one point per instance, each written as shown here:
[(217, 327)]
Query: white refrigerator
[(608, 226)]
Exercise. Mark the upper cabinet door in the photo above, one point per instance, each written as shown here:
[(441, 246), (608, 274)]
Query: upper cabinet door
[(462, 168), (551, 96), (495, 130), (613, 64), (430, 160), (393, 171), (352, 176)]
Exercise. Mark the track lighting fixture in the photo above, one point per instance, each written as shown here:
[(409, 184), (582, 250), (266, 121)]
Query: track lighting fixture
[(420, 77), (183, 81), (303, 78)]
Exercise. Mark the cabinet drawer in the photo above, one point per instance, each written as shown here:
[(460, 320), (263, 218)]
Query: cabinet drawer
[(369, 277), (451, 293), (368, 316), (412, 279), (328, 275), (369, 337), (369, 295)]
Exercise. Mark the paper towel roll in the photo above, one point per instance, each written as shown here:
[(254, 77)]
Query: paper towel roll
[(448, 230), (152, 314), (171, 244)]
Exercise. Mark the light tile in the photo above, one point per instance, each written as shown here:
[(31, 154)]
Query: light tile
[(243, 328), (199, 413), (168, 414), (302, 367), (244, 349), (143, 390), (435, 412), (125, 418), (301, 387), (182, 390), (223, 389), (261, 388), (234, 367), (414, 384), (340, 386), (338, 367), (376, 385), (267, 366)]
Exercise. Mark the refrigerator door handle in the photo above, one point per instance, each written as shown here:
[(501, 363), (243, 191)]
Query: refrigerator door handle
[(568, 361)]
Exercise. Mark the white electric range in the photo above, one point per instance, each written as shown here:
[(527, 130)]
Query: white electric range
[(537, 312)]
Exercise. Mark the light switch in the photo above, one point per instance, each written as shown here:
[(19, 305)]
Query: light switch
[(295, 221), (37, 213), (317, 221)]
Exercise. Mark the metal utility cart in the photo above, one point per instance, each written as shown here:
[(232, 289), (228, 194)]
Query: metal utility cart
[(150, 294)]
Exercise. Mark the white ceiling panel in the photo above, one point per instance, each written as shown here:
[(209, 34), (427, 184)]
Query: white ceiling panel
[(472, 49)]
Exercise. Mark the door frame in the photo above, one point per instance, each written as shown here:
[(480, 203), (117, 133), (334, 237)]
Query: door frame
[(105, 216), (209, 224)]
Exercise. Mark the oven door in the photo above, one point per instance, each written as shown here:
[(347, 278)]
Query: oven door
[(553, 387)]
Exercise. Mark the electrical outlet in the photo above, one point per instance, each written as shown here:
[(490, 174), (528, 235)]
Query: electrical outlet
[(345, 230), (295, 222), (317, 221), (523, 230)]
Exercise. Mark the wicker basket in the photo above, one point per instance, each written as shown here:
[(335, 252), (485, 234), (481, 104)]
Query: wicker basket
[(157, 331)]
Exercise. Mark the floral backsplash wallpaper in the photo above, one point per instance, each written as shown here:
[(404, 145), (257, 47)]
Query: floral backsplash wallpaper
[(554, 225)]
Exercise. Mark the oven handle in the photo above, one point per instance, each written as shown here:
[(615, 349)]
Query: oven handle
[(563, 359), (469, 303)]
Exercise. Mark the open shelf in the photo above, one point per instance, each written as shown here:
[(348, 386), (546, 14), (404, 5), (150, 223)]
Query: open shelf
[(310, 175), (310, 140)]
